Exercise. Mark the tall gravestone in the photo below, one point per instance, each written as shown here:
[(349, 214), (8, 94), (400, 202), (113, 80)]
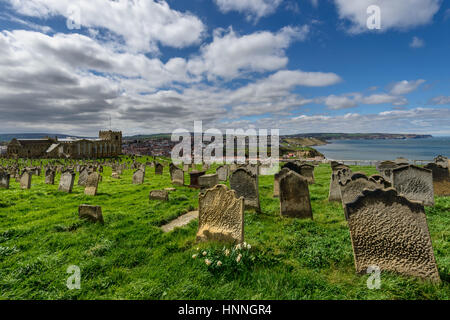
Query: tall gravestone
[(246, 185), (159, 168), (25, 180), (221, 216), (138, 177), (276, 181), (339, 172), (50, 176), (4, 180), (294, 196), (84, 174), (415, 183), (222, 172), (391, 232), (92, 184), (441, 179), (177, 176), (66, 181)]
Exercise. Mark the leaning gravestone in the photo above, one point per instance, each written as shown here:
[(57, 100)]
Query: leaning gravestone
[(441, 179), (276, 181), (208, 181), (177, 176), (50, 176), (294, 196), (415, 183), (84, 174), (391, 232), (339, 172), (66, 181), (92, 184), (138, 176), (246, 185), (4, 180), (221, 216), (352, 187), (92, 213), (25, 180), (222, 172)]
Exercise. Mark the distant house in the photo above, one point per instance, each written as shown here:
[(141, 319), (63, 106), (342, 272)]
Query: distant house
[(109, 144)]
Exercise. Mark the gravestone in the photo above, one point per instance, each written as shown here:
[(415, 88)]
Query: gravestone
[(222, 172), (294, 196), (246, 185), (159, 168), (91, 213), (194, 176), (84, 174), (391, 232), (294, 166), (307, 171), (401, 161), (50, 176), (221, 216), (341, 172), (115, 175), (380, 180), (442, 161), (159, 195), (138, 177), (415, 183), (276, 181), (186, 168), (352, 187), (441, 179), (92, 184), (66, 181), (208, 181), (25, 180), (177, 176), (385, 169), (4, 179)]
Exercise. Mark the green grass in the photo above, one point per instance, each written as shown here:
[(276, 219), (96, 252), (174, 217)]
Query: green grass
[(130, 258)]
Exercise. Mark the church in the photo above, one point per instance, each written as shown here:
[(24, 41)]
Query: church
[(109, 144)]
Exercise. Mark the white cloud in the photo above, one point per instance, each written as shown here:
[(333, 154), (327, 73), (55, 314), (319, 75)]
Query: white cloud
[(405, 87), (417, 43), (230, 55), (395, 14), (253, 9), (338, 102), (441, 100), (142, 24)]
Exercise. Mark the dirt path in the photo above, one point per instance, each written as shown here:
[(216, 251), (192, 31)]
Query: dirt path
[(181, 221)]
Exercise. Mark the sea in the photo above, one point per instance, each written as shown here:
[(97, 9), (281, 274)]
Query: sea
[(389, 149)]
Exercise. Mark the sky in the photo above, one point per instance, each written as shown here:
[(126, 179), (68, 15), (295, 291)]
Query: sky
[(144, 66)]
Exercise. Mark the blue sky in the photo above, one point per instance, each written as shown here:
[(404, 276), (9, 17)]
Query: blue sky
[(155, 66)]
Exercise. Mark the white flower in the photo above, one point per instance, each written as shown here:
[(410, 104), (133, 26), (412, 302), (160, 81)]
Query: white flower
[(227, 253), (219, 263), (194, 256), (204, 253), (245, 244), (208, 262), (249, 246), (238, 247), (198, 249), (238, 259)]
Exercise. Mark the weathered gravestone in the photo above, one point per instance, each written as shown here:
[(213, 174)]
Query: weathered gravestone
[(208, 181), (138, 177), (115, 175), (246, 185), (415, 183), (50, 176), (194, 176), (91, 213), (159, 195), (66, 181), (385, 169), (391, 232), (84, 174), (159, 168), (276, 181), (339, 172), (185, 167), (4, 179), (294, 196), (221, 216), (441, 179), (25, 180), (92, 184), (177, 176), (222, 172), (352, 187), (307, 171), (441, 161)]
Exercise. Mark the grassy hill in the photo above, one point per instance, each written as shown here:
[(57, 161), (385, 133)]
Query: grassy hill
[(131, 258)]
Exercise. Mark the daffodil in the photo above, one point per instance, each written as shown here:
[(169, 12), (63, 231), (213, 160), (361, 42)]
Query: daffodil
[(219, 263), (208, 262)]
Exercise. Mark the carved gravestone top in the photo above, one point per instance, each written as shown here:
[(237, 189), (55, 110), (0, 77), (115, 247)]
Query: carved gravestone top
[(415, 183), (221, 216), (352, 187), (391, 232)]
